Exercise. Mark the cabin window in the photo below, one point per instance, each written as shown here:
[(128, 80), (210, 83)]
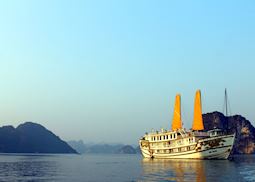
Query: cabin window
[(179, 149), (190, 140), (166, 136), (188, 148), (159, 137)]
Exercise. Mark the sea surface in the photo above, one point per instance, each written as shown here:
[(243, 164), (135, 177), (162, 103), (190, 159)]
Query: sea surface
[(123, 167)]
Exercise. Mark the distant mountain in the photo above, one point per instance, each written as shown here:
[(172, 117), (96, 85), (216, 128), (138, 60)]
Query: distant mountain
[(80, 147), (104, 148), (31, 138), (245, 132), (127, 149)]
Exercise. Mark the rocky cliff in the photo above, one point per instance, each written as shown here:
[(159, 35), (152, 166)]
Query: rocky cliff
[(245, 132)]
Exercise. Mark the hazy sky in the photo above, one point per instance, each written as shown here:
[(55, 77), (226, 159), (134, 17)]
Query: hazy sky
[(108, 71)]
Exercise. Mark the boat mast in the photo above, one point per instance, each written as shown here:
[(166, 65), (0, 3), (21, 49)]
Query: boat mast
[(226, 105), (226, 102)]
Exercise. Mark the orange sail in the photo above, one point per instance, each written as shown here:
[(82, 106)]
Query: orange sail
[(198, 120), (177, 121)]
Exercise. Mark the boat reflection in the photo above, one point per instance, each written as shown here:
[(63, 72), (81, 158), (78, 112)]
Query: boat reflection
[(173, 170)]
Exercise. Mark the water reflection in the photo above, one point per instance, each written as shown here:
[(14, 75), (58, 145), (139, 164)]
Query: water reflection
[(173, 170), (240, 168)]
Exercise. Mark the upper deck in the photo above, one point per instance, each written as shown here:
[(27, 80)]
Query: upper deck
[(164, 135)]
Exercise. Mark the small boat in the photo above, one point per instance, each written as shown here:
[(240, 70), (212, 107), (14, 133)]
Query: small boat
[(196, 143)]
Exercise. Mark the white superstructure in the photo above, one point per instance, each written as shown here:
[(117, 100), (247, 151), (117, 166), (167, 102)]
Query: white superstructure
[(181, 144)]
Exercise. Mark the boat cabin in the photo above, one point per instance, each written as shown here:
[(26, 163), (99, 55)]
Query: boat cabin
[(215, 132)]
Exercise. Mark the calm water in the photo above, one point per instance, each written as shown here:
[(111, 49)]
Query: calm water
[(122, 168)]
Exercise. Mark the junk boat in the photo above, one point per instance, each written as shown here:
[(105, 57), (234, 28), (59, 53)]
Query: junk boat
[(178, 143)]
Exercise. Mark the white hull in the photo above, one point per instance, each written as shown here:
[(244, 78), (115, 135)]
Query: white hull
[(205, 149)]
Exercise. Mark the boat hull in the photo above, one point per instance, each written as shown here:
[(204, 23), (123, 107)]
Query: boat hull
[(209, 148)]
